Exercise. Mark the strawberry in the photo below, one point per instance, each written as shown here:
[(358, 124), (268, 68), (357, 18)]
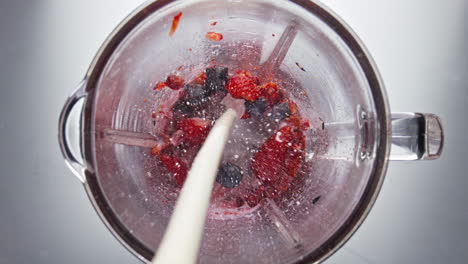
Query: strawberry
[(176, 167), (278, 160), (243, 85), (195, 129), (175, 82)]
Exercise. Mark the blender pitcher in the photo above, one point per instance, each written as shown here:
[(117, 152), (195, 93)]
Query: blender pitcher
[(316, 59)]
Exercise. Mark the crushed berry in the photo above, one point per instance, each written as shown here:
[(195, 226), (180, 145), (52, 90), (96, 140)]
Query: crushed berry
[(200, 79), (176, 167), (175, 82), (278, 160), (272, 93), (195, 129), (246, 116), (216, 79), (256, 108), (213, 36), (159, 86), (175, 24)]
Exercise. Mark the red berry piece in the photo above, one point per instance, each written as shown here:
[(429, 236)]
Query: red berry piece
[(244, 86), (272, 93), (176, 167), (200, 79), (278, 160), (252, 199), (175, 24), (195, 129), (246, 115), (175, 82), (213, 36), (159, 86)]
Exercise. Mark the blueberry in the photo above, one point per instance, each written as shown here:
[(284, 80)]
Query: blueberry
[(256, 108), (216, 79), (229, 175), (281, 111)]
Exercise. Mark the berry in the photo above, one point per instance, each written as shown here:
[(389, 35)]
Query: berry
[(272, 93), (200, 79), (278, 160), (195, 129), (194, 90), (175, 23), (193, 99), (252, 198), (216, 79), (281, 111), (176, 167), (244, 86), (256, 108), (159, 86), (214, 36), (229, 175), (246, 116), (233, 202), (175, 82), (293, 107)]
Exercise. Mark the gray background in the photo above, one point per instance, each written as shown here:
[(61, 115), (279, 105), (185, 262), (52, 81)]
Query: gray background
[(46, 46)]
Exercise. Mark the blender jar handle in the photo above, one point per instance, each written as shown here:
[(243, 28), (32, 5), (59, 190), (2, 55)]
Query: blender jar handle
[(416, 136), (75, 165)]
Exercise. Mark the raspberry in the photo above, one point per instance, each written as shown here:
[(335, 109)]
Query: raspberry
[(176, 167)]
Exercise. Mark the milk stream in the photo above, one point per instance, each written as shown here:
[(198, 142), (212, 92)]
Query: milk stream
[(181, 242)]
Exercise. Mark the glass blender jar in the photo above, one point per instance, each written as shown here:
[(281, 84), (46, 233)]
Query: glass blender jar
[(319, 61)]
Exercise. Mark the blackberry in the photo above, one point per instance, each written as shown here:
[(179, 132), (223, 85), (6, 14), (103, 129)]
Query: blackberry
[(216, 79)]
